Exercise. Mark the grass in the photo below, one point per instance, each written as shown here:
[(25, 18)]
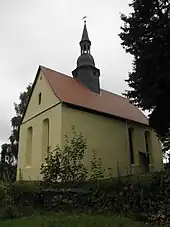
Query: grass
[(63, 220)]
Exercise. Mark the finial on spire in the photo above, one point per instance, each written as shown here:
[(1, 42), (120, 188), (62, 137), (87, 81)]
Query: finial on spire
[(84, 18)]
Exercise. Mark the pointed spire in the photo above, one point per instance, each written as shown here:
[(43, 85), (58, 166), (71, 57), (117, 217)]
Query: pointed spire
[(85, 41), (85, 36)]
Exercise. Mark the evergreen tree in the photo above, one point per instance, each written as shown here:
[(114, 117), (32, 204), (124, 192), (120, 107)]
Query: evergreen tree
[(146, 36)]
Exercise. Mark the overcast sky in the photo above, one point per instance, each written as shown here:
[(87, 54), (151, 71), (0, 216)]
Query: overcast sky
[(47, 32)]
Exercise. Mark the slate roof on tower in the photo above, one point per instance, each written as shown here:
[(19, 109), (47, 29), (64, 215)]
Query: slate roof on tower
[(70, 91)]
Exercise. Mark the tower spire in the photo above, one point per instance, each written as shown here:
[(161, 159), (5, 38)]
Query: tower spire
[(86, 72), (85, 36), (85, 41)]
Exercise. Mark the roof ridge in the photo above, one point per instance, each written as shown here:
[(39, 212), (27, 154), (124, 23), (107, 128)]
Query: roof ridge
[(62, 74), (114, 94)]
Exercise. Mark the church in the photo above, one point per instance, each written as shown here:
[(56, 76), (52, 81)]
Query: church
[(116, 130)]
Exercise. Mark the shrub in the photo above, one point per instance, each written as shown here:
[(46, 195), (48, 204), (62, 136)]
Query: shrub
[(160, 212), (9, 212), (66, 164), (97, 169), (143, 198), (72, 166), (51, 169), (4, 193)]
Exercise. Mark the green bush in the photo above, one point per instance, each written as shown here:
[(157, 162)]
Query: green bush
[(97, 169), (66, 165), (6, 202), (144, 198), (4, 193), (10, 212), (72, 161), (51, 169)]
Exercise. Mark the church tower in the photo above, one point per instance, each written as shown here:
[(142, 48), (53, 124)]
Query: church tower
[(86, 72)]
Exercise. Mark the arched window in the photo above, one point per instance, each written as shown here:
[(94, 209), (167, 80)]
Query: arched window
[(148, 144), (39, 98), (131, 150), (28, 154), (45, 138)]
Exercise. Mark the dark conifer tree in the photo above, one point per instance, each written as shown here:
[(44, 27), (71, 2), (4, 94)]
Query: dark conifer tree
[(146, 36)]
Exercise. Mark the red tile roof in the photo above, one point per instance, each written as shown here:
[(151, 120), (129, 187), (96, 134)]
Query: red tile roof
[(71, 91)]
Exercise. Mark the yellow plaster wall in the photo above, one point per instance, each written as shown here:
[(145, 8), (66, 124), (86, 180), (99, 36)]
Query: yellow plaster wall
[(157, 157), (109, 138), (35, 115), (33, 171), (48, 98)]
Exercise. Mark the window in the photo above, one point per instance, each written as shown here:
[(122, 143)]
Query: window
[(130, 135), (28, 155), (45, 138), (88, 49), (84, 48), (147, 143), (39, 98)]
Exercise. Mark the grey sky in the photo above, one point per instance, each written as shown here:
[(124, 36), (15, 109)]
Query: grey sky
[(47, 32)]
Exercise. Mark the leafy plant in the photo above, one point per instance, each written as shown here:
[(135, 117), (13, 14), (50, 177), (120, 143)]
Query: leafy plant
[(4, 193), (97, 169), (72, 165), (51, 169), (66, 164)]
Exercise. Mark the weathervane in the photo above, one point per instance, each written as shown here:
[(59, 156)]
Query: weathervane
[(84, 18)]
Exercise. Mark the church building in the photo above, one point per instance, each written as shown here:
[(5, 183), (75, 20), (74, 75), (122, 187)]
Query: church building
[(116, 130)]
